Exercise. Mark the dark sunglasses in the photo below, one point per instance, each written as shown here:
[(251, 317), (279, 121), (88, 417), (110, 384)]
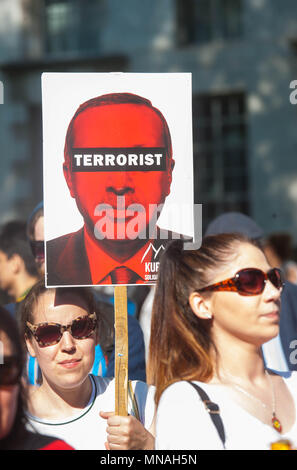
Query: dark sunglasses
[(37, 247), (249, 281), (10, 371), (47, 334)]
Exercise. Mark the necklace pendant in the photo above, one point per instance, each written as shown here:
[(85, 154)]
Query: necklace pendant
[(276, 423)]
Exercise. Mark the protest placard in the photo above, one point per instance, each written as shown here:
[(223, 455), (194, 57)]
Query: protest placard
[(118, 174)]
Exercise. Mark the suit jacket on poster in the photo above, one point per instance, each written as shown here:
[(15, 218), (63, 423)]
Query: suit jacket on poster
[(67, 262)]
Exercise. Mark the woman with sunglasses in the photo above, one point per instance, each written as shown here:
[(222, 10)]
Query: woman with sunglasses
[(13, 432), (61, 329), (213, 310)]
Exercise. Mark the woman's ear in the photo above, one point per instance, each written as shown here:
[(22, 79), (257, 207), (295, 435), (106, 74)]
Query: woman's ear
[(29, 346), (17, 263), (200, 306)]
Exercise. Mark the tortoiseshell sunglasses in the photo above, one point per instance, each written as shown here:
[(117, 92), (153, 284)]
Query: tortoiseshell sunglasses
[(249, 281), (47, 334)]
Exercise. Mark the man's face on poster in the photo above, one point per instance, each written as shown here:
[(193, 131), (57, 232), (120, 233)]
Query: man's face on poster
[(119, 126)]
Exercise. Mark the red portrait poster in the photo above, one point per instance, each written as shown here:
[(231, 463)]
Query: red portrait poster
[(118, 174)]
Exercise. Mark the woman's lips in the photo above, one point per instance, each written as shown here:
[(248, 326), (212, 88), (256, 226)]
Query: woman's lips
[(272, 315), (69, 364)]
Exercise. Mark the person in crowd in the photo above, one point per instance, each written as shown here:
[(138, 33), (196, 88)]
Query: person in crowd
[(213, 309), (13, 432), (61, 328), (279, 353), (17, 267)]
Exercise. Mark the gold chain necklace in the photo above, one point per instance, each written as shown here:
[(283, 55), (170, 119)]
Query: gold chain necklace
[(276, 424)]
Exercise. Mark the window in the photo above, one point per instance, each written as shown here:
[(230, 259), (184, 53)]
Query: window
[(201, 21), (220, 154), (73, 25), (230, 18)]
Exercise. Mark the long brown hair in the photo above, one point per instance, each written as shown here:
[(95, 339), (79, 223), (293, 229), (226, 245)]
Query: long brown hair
[(181, 346)]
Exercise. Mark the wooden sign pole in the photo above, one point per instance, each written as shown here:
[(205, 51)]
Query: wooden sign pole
[(121, 351)]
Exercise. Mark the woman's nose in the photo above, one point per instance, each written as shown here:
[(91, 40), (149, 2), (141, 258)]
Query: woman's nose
[(272, 292), (67, 341)]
